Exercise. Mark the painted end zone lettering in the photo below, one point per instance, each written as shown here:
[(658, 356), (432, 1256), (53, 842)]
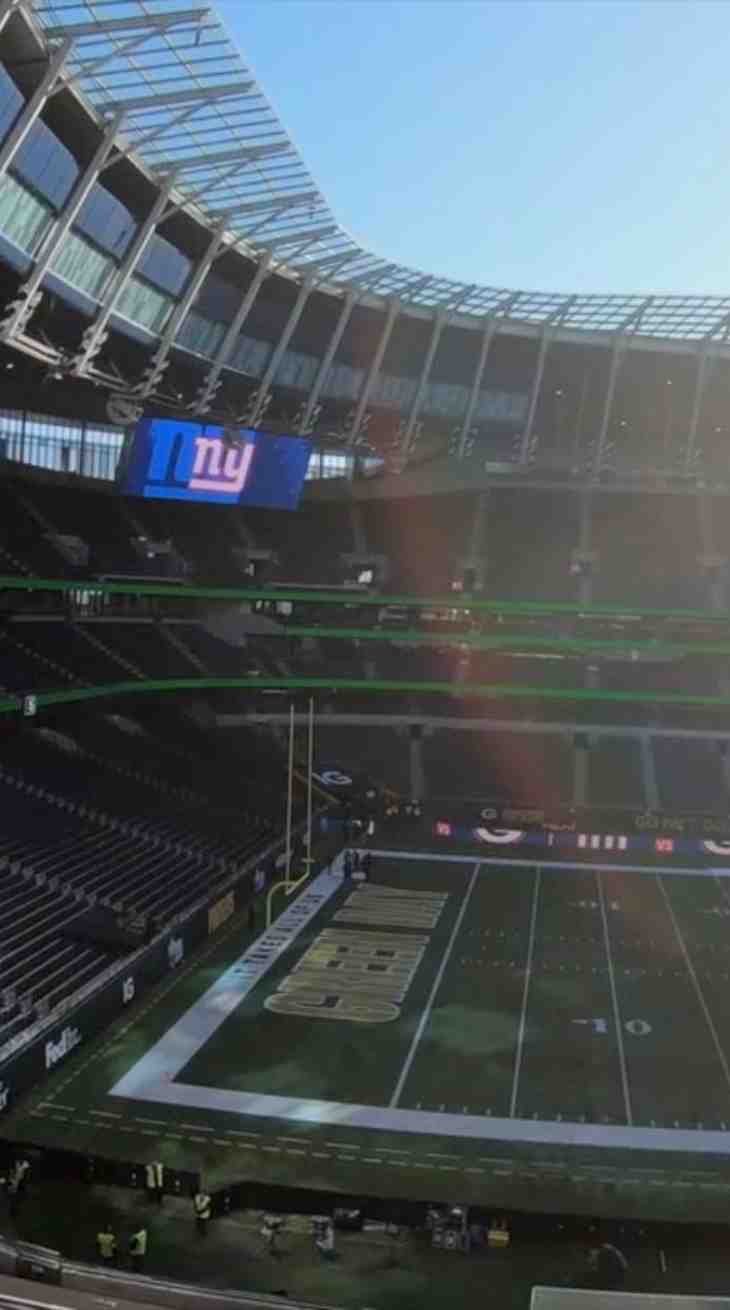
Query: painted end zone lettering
[(358, 976), (321, 1005)]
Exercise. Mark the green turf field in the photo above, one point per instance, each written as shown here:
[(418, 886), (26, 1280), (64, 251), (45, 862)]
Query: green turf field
[(456, 1023)]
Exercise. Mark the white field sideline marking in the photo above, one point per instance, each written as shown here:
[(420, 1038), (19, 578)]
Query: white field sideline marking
[(195, 1028), (614, 1002), (149, 1081), (432, 995), (523, 1015), (588, 866), (695, 981)]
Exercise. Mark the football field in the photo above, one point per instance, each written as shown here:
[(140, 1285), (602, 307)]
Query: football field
[(452, 1015)]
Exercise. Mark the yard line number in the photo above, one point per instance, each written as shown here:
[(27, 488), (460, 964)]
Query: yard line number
[(637, 1027)]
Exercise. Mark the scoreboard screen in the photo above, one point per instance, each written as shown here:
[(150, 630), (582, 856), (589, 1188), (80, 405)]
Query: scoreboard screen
[(173, 459)]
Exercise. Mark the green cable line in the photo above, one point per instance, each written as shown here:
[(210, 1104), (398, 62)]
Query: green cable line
[(507, 640), (356, 598), (464, 691)]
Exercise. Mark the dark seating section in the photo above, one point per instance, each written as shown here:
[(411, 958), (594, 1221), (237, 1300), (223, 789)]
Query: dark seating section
[(424, 538), (648, 549), (614, 772), (376, 754), (689, 775), (530, 537), (139, 812), (526, 540), (515, 768)]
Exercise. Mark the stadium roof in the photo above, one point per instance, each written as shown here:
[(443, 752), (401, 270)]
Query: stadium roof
[(192, 105)]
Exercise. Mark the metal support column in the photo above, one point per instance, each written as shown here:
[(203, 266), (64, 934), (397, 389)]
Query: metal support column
[(477, 536), (585, 537), (210, 386), (29, 289), (33, 107), (158, 361), (280, 347), (702, 362), (347, 307), (580, 775), (534, 395), (95, 335), (438, 327), (490, 327), (373, 371), (648, 772), (417, 771), (619, 346)]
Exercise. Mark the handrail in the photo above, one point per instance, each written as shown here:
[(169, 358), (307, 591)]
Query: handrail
[(11, 582), (367, 686)]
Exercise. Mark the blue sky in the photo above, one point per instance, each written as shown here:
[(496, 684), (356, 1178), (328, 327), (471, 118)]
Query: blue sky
[(569, 145)]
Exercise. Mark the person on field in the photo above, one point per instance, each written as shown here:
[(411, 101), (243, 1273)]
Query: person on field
[(155, 1181), (138, 1248), (21, 1170), (270, 1232), (106, 1245), (202, 1205)]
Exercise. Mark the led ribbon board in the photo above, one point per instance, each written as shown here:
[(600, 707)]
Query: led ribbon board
[(172, 459)]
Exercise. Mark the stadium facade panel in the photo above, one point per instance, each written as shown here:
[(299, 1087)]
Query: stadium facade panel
[(161, 237)]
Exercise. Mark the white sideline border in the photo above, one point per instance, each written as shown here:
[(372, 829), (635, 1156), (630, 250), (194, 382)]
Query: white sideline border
[(151, 1078)]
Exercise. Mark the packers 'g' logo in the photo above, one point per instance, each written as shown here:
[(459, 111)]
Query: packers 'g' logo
[(499, 836)]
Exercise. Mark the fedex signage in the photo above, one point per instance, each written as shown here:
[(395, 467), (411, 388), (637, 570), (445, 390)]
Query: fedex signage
[(171, 459)]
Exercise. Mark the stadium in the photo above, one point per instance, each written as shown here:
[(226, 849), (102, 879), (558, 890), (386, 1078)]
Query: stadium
[(365, 716)]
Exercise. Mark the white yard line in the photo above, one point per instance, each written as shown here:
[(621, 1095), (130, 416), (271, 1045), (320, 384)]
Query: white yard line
[(509, 862), (526, 989), (432, 996), (695, 982), (614, 1001)]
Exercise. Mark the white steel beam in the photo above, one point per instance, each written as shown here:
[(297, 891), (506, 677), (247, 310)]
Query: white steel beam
[(103, 27), (490, 328), (534, 394), (51, 243), (283, 342), (96, 334), (348, 304), (373, 371), (699, 392), (438, 326), (33, 107), (158, 362), (161, 100), (210, 386), (617, 354)]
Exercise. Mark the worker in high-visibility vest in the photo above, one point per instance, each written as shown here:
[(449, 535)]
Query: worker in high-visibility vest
[(138, 1248), (106, 1245), (202, 1205), (155, 1180)]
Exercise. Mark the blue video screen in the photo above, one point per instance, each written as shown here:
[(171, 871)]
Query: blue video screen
[(173, 459)]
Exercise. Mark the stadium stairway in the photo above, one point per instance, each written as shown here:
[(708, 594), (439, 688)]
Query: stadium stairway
[(122, 661)]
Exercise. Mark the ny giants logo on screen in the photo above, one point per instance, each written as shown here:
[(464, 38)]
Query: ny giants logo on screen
[(200, 462), (220, 468), (180, 459)]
